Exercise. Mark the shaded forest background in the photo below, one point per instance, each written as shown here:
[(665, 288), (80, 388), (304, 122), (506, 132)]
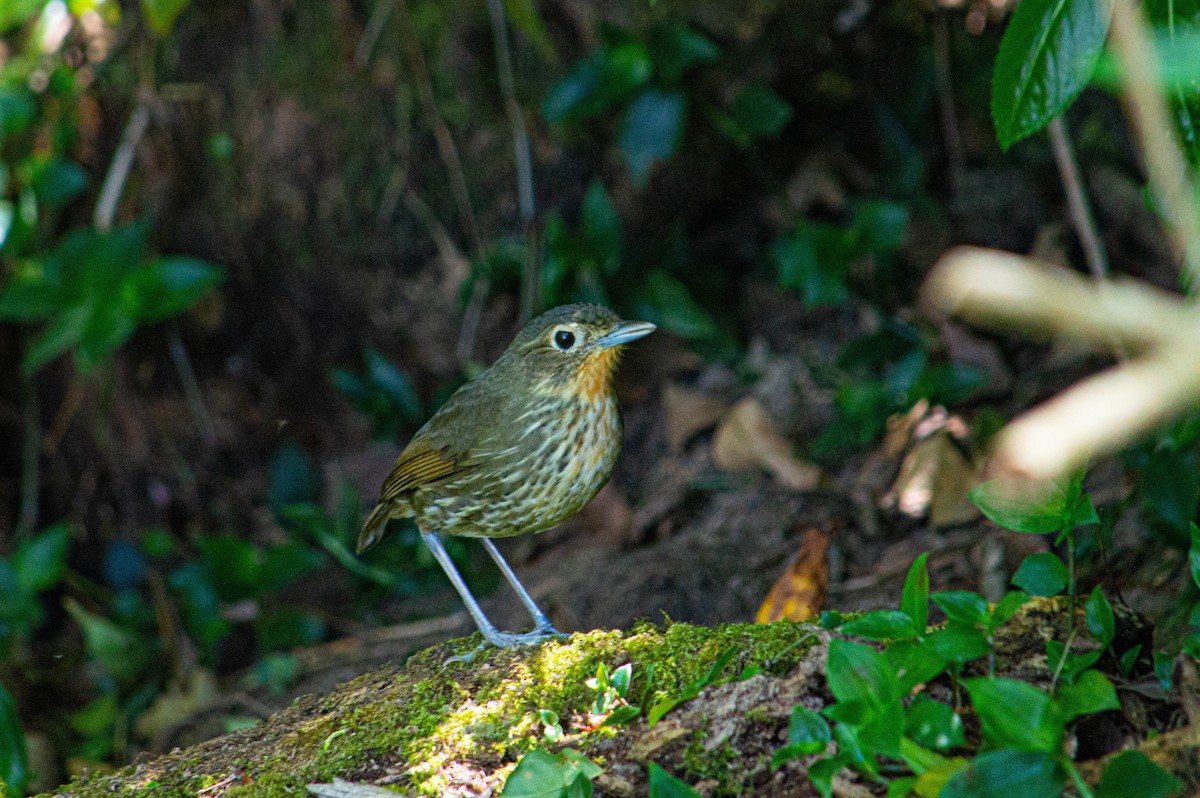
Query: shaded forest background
[(248, 248)]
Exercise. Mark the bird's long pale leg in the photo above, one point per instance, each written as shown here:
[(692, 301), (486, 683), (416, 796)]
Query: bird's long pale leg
[(490, 633), (542, 623)]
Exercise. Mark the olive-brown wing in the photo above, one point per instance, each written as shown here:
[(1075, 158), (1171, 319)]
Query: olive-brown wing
[(418, 465)]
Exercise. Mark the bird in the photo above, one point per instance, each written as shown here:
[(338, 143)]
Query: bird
[(518, 449)]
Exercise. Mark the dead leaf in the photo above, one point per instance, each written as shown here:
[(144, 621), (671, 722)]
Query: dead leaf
[(689, 412), (799, 594), (177, 704), (745, 440), (937, 472)]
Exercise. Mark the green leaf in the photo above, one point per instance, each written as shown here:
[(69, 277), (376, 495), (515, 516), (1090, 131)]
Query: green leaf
[(1132, 773), (814, 260), (541, 774), (1041, 574), (1194, 553), (664, 785), (17, 12), (808, 733), (1038, 508), (667, 302), (1046, 57), (119, 651), (1091, 692), (860, 673), (914, 663), (1072, 664), (1007, 774), (1006, 608), (294, 477), (882, 625), (597, 83), (14, 768), (31, 294), (963, 606), (933, 724), (959, 643), (677, 48), (161, 14), (1016, 715), (168, 286), (1100, 621), (821, 773), (39, 561), (1177, 23), (601, 227), (56, 181), (914, 599), (650, 131), (109, 325), (395, 383), (620, 679), (760, 113), (60, 334)]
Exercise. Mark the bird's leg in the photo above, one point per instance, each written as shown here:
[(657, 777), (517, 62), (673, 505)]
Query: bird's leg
[(490, 633), (542, 623)]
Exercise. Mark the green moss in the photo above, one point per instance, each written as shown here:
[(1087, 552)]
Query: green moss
[(418, 718), (701, 764)]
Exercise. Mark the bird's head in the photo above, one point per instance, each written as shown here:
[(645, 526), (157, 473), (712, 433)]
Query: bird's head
[(575, 348)]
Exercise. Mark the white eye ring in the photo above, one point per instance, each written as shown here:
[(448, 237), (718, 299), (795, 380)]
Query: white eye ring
[(563, 339)]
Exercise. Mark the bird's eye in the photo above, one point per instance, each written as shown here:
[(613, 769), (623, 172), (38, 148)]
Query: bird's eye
[(564, 339)]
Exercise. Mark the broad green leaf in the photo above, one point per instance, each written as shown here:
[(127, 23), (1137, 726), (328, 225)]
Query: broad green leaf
[(933, 724), (914, 598), (667, 302), (914, 663), (1194, 553), (664, 785), (650, 131), (808, 733), (1091, 692), (1100, 621), (677, 48), (31, 293), (161, 14), (1041, 574), (395, 383), (597, 83), (860, 673), (882, 625), (14, 768), (813, 260), (821, 772), (56, 181), (963, 606), (1037, 508), (1069, 664), (1016, 715), (760, 113), (1007, 774), (39, 561), (60, 334), (168, 286), (108, 326), (959, 643), (1046, 58), (1132, 773), (119, 651), (1177, 23), (541, 774), (1006, 608)]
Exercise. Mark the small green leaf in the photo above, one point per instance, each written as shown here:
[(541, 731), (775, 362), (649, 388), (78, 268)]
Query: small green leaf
[(860, 673), (1041, 574), (161, 14), (667, 302), (914, 663), (14, 768), (760, 113), (56, 181), (959, 643), (1016, 715), (601, 228), (882, 625), (1132, 773), (1069, 663), (168, 286), (1100, 621), (120, 652), (933, 724), (1091, 692), (664, 785), (963, 606), (62, 332), (39, 561), (1007, 774), (620, 679), (1046, 57), (1037, 508), (808, 733), (598, 82), (914, 599), (650, 131), (677, 48), (1194, 553), (525, 18), (1006, 608), (541, 774)]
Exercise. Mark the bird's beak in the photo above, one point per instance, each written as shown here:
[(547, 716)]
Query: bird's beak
[(625, 332)]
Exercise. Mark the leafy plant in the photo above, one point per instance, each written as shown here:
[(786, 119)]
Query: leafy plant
[(382, 393), (540, 774), (36, 566)]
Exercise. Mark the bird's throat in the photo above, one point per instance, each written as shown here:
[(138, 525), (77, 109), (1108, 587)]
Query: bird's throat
[(593, 380)]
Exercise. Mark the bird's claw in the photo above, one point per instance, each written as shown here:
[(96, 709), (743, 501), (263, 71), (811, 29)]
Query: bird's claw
[(507, 640)]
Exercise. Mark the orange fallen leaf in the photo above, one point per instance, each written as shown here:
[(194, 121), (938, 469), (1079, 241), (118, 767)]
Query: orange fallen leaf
[(799, 594)]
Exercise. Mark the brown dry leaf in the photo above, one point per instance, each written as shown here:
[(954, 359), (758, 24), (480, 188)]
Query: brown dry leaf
[(800, 592), (936, 474), (689, 412), (746, 440)]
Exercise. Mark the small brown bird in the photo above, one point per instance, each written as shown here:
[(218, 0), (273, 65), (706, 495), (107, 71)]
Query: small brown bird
[(519, 449)]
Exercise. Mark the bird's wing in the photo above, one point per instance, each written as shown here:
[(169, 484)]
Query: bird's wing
[(419, 464)]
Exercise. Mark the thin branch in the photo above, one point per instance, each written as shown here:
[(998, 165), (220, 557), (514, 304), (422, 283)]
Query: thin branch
[(531, 284), (191, 386), (1077, 201), (1165, 166), (118, 170), (945, 89), (31, 434)]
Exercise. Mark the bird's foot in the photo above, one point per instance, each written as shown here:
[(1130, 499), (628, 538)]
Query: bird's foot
[(507, 640)]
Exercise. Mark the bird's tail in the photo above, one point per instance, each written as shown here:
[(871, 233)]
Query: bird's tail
[(375, 527)]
